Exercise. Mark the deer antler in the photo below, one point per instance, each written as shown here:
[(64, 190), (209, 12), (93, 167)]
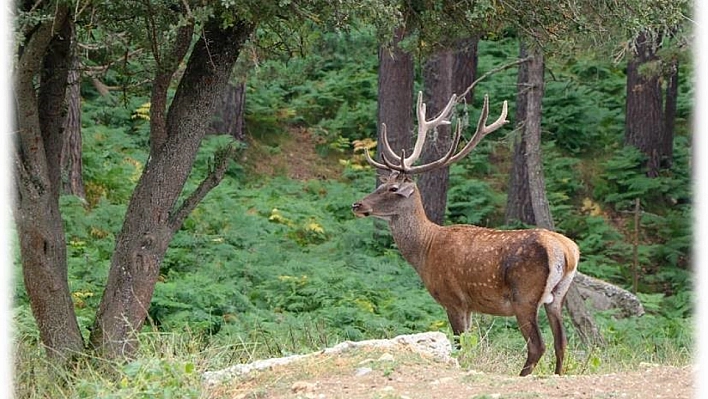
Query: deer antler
[(404, 164)]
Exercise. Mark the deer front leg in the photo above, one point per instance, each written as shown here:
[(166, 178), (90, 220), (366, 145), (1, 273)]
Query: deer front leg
[(527, 318), (460, 322)]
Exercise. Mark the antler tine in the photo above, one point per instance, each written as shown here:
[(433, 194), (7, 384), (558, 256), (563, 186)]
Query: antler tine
[(424, 125), (387, 150), (482, 129), (447, 159), (372, 162), (386, 153), (391, 166)]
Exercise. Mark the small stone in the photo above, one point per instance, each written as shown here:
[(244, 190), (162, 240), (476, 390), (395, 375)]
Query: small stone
[(362, 371), (302, 387), (386, 357)]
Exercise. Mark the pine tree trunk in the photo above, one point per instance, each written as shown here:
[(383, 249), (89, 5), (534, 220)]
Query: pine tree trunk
[(518, 203), (152, 217), (395, 95), (71, 163), (40, 227), (532, 135), (446, 72), (437, 77), (229, 115), (395, 106), (667, 139), (645, 124), (464, 69)]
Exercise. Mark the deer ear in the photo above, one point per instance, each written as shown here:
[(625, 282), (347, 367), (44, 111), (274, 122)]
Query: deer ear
[(406, 189)]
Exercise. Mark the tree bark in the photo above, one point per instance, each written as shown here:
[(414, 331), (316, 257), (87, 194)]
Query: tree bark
[(166, 68), (448, 71), (152, 217), (532, 135), (645, 124), (464, 69), (71, 163), (395, 95), (518, 202), (40, 228), (395, 105), (437, 77), (229, 115), (667, 139)]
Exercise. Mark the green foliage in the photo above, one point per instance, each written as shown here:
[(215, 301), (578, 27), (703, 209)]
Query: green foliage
[(581, 119), (332, 90), (472, 201), (269, 266), (166, 367)]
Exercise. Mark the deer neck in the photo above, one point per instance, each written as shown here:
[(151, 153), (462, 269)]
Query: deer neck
[(413, 233)]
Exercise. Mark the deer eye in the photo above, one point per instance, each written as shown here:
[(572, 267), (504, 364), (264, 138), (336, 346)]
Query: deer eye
[(393, 189)]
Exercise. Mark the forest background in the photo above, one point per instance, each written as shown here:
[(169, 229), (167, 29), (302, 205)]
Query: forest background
[(329, 279)]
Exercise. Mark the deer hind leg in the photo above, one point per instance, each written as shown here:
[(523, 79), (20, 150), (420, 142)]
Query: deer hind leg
[(555, 319), (553, 311), (527, 317), (460, 322)]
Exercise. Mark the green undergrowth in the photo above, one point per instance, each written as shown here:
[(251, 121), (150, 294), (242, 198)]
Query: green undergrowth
[(270, 266)]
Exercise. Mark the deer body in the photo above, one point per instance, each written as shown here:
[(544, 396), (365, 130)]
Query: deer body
[(468, 268)]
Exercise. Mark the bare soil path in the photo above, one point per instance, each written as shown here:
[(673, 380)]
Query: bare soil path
[(401, 372)]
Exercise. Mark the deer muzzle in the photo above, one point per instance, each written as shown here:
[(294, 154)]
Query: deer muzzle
[(360, 209)]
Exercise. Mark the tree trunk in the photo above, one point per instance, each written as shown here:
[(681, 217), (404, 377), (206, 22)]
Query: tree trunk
[(645, 124), (229, 115), (582, 320), (152, 217), (464, 69), (532, 136), (395, 105), (437, 77), (71, 163), (395, 95), (518, 202), (446, 72), (40, 228), (667, 139)]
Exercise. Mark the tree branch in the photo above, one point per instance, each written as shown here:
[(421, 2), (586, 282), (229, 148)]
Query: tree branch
[(216, 174), (491, 72), (163, 76)]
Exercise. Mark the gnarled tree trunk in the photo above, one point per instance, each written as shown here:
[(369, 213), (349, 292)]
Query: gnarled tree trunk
[(153, 215), (39, 117)]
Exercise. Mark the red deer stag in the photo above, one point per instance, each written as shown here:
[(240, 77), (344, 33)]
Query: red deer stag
[(469, 268)]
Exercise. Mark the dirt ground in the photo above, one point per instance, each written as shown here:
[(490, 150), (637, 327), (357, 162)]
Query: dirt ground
[(385, 373)]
